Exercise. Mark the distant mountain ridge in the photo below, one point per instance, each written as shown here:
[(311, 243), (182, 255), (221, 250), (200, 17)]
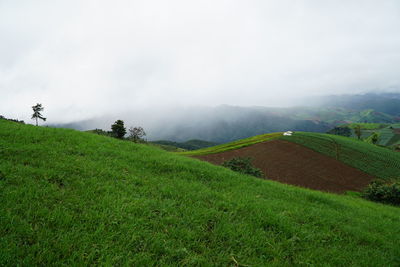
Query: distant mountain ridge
[(228, 123), (388, 103)]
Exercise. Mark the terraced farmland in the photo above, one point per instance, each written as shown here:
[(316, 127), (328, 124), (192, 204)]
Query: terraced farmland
[(233, 145), (377, 161), (389, 134)]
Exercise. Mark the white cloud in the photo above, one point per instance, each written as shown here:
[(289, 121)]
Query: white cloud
[(87, 58)]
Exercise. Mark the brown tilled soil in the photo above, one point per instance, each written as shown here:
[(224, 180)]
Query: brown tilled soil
[(294, 164)]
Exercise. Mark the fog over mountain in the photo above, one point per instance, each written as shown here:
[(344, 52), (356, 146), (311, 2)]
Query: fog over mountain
[(225, 123), (136, 59)]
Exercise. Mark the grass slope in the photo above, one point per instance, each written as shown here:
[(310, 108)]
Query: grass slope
[(71, 198), (233, 145), (377, 161)]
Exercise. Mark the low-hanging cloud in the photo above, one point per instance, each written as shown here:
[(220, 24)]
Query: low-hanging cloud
[(89, 58)]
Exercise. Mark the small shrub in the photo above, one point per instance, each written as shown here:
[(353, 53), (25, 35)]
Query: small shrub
[(383, 191), (101, 132), (243, 165)]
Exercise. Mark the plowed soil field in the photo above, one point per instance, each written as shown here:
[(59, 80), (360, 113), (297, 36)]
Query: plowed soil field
[(294, 164)]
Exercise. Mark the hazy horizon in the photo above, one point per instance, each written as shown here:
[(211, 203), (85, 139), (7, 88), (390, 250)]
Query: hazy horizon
[(88, 59)]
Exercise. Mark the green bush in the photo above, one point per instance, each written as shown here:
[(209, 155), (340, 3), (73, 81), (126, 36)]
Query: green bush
[(343, 131), (243, 165), (383, 191)]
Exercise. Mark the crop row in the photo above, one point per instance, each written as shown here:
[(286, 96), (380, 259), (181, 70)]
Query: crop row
[(377, 161)]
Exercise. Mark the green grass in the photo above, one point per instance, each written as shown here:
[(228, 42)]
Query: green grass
[(77, 199), (233, 145), (377, 161)]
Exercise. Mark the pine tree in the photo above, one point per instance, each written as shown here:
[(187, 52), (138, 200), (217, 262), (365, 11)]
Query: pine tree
[(118, 129), (36, 113)]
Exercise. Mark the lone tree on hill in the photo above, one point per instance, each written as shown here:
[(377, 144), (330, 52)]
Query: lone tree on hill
[(36, 113), (136, 134), (118, 129), (357, 131)]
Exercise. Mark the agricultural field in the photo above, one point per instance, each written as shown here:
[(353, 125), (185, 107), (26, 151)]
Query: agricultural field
[(294, 164), (78, 199), (374, 160), (334, 164), (234, 145), (388, 134)]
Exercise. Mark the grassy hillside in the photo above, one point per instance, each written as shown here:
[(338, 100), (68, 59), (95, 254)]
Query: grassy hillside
[(233, 145), (377, 161), (71, 198)]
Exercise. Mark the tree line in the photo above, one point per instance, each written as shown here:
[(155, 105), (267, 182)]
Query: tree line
[(118, 130), (135, 134)]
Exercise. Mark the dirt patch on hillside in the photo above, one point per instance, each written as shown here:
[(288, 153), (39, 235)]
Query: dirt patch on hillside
[(294, 164)]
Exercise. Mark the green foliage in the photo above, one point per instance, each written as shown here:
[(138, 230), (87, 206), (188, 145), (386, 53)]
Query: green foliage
[(118, 129), (343, 131), (373, 139), (383, 191), (358, 132), (70, 198), (243, 165), (100, 132), (13, 120), (377, 161), (234, 145)]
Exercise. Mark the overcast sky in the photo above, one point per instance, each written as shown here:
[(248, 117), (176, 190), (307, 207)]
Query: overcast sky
[(87, 58)]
